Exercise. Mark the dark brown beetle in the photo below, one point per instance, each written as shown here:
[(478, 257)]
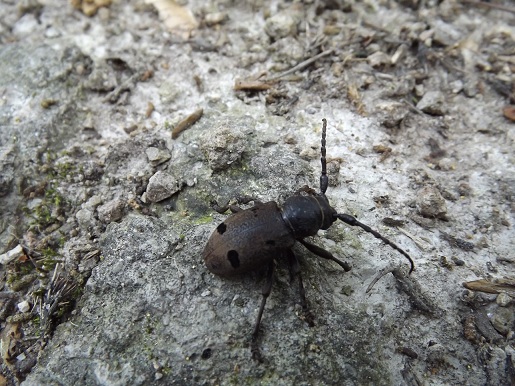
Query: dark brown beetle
[(250, 239)]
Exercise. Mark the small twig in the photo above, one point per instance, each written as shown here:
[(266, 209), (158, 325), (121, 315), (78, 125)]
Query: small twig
[(301, 65), (417, 240), (128, 85), (484, 4), (410, 287), (187, 123), (251, 85), (412, 107), (379, 275)]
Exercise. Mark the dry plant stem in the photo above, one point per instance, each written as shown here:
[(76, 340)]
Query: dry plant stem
[(301, 65), (490, 5), (251, 85), (410, 287), (379, 275), (126, 86)]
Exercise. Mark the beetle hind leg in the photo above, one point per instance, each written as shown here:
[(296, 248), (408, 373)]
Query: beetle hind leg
[(295, 272), (267, 288)]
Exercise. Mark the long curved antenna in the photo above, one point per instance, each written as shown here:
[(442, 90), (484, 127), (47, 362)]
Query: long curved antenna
[(324, 181), (348, 219)]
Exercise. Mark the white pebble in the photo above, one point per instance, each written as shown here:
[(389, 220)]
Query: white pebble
[(24, 306)]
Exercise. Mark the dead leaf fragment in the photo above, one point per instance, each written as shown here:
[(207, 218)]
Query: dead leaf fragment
[(509, 112), (175, 17), (8, 337), (90, 7), (492, 286), (187, 123), (354, 97)]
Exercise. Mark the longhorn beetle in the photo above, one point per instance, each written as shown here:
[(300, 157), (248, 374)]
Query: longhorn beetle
[(250, 239)]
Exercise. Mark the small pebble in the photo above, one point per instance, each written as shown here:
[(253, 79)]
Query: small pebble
[(24, 306), (430, 203), (503, 299)]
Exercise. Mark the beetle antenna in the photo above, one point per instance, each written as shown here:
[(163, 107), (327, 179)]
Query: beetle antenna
[(348, 219), (324, 181)]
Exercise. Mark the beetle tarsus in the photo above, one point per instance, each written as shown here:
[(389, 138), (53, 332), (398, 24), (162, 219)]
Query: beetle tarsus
[(267, 288), (350, 220), (294, 265)]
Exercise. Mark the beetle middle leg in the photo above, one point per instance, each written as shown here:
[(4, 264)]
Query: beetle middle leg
[(295, 272), (267, 288), (324, 254)]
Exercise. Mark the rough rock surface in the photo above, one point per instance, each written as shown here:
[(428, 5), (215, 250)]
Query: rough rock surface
[(111, 289)]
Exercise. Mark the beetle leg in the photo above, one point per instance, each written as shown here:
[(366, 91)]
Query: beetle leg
[(295, 271), (247, 199), (325, 254), (234, 208), (267, 288), (223, 209), (348, 219), (305, 189)]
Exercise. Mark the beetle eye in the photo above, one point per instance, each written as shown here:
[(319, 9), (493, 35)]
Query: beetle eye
[(233, 258)]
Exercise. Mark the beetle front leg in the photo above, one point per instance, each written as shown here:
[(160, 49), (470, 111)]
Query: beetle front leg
[(295, 271), (267, 288), (351, 220), (324, 254)]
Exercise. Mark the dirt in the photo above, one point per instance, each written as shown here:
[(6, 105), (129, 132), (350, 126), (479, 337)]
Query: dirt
[(121, 122)]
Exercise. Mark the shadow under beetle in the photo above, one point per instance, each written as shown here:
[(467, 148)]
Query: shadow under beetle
[(250, 239)]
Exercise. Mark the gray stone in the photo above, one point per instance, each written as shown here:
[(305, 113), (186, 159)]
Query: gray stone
[(430, 203), (111, 211), (391, 113), (215, 18), (223, 147), (157, 156), (379, 59), (85, 218), (135, 254), (162, 186), (281, 25), (433, 102), (503, 299), (445, 34), (7, 155), (495, 367), (151, 313), (503, 320)]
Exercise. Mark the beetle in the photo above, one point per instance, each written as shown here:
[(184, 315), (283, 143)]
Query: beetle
[(251, 239)]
